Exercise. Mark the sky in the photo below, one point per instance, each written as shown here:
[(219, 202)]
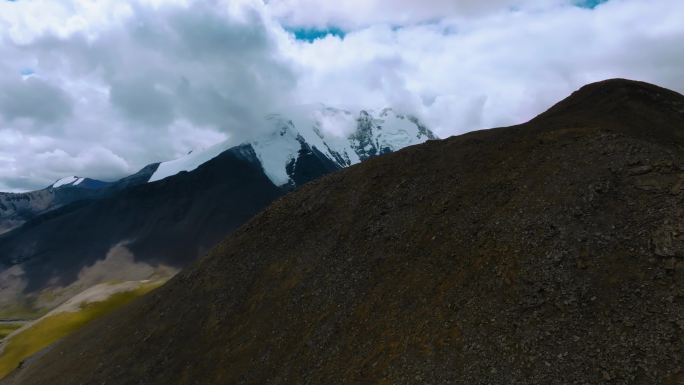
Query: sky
[(100, 88)]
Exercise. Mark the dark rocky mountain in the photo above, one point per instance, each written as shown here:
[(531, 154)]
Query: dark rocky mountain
[(170, 221), (171, 213), (17, 208), (546, 253)]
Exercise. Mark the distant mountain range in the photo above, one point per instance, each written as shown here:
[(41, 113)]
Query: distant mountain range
[(18, 208), (169, 213)]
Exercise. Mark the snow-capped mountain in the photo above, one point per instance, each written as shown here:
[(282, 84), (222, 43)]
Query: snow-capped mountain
[(17, 208), (296, 149), (340, 137), (192, 204), (76, 181)]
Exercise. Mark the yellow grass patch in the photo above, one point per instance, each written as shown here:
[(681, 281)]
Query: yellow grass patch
[(54, 327), (8, 328)]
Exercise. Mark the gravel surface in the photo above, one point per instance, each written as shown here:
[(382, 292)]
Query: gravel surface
[(547, 253)]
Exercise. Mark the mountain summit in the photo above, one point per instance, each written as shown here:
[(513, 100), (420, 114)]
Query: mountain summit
[(546, 253), (338, 138)]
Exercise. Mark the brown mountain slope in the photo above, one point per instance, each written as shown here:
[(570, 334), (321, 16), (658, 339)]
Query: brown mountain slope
[(547, 253)]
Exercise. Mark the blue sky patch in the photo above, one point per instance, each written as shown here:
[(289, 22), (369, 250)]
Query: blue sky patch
[(312, 34), (590, 3)]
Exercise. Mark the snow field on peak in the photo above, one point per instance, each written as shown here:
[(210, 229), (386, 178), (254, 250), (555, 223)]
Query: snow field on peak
[(396, 132), (276, 151), (329, 130), (189, 162), (67, 180)]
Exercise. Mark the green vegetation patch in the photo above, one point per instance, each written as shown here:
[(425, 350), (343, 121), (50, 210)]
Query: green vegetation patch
[(7, 329), (52, 328), (22, 311)]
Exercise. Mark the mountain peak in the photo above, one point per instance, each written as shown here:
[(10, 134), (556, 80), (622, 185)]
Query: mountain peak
[(616, 91), (631, 107), (79, 182), (605, 96), (616, 84), (343, 137), (68, 181)]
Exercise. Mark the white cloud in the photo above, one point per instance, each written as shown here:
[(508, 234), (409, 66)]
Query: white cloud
[(363, 13), (116, 85), (496, 69), (101, 88)]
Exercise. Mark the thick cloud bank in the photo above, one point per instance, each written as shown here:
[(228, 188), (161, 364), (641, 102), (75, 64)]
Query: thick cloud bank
[(101, 88), (115, 87), (364, 13), (501, 68)]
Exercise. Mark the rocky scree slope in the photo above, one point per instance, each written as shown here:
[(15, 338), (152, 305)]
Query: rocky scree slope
[(546, 253)]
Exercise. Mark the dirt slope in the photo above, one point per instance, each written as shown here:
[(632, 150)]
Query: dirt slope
[(547, 253)]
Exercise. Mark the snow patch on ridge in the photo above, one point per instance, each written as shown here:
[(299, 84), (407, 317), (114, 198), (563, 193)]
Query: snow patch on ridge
[(328, 129), (277, 150), (65, 181), (189, 162), (396, 131)]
